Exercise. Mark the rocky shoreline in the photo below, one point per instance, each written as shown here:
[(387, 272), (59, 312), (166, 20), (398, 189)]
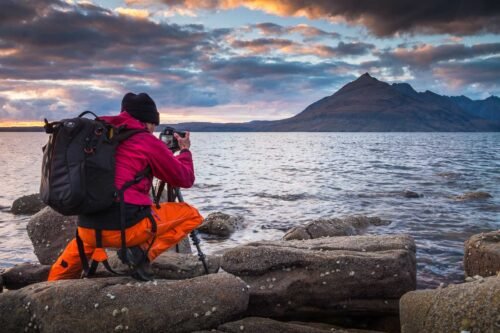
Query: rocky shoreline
[(322, 277)]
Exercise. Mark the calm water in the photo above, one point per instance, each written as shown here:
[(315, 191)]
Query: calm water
[(280, 180)]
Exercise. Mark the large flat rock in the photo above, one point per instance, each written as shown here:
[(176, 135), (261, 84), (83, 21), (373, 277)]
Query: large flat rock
[(124, 305), (482, 254), (326, 277), (467, 307)]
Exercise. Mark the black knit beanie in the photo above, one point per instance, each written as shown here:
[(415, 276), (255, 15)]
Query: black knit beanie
[(141, 107)]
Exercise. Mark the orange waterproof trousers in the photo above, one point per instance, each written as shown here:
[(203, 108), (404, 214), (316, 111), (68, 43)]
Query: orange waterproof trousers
[(174, 221)]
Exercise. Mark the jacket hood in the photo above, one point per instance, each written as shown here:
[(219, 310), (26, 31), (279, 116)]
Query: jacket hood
[(123, 119)]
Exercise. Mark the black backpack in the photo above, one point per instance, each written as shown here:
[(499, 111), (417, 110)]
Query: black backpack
[(78, 167)]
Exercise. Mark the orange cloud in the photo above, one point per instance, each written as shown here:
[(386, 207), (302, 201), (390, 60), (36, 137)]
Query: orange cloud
[(140, 14)]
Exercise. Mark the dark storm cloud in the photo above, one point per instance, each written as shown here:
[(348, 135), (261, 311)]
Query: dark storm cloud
[(381, 17), (16, 10)]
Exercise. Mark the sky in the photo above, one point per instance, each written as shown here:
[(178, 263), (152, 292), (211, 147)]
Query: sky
[(235, 60)]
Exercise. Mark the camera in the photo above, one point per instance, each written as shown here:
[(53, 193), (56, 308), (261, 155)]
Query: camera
[(167, 136)]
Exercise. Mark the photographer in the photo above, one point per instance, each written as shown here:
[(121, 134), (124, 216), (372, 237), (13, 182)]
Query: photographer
[(149, 230)]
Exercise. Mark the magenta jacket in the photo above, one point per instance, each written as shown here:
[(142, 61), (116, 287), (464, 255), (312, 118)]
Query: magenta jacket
[(143, 149)]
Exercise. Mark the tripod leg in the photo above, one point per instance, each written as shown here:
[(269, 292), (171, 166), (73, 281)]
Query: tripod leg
[(201, 255)]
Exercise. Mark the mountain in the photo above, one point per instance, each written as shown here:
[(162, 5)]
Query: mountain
[(369, 105)]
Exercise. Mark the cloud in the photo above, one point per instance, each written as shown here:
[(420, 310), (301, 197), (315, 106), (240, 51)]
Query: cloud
[(308, 32), (483, 73), (141, 14), (263, 45), (381, 17), (85, 41), (425, 55), (274, 45)]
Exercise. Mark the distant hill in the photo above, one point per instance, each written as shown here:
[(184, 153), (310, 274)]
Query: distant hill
[(22, 129), (370, 105)]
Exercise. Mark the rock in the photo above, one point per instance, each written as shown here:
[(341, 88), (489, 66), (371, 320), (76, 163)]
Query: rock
[(470, 196), (467, 307), (482, 254), (184, 246), (25, 274), (259, 325), (1, 282), (410, 194), (50, 232), (172, 266), (28, 204), (220, 224), (347, 226), (122, 304), (327, 277)]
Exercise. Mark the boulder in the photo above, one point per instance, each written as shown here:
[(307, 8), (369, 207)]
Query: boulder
[(124, 305), (471, 196), (24, 274), (50, 232), (184, 246), (411, 195), (220, 224), (482, 254), (347, 226), (467, 307), (325, 278), (28, 204), (259, 325)]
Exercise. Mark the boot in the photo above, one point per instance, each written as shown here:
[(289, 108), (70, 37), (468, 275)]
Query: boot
[(138, 262)]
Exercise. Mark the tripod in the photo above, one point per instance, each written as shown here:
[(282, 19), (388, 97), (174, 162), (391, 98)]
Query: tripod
[(174, 194)]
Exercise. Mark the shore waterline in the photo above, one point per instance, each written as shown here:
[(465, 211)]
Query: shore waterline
[(280, 180)]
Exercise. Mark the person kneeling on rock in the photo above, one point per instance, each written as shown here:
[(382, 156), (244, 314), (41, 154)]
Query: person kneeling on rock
[(150, 230)]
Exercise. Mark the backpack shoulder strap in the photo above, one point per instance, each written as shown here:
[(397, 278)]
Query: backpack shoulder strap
[(124, 134)]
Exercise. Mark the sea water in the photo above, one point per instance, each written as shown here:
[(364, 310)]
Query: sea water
[(276, 181)]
